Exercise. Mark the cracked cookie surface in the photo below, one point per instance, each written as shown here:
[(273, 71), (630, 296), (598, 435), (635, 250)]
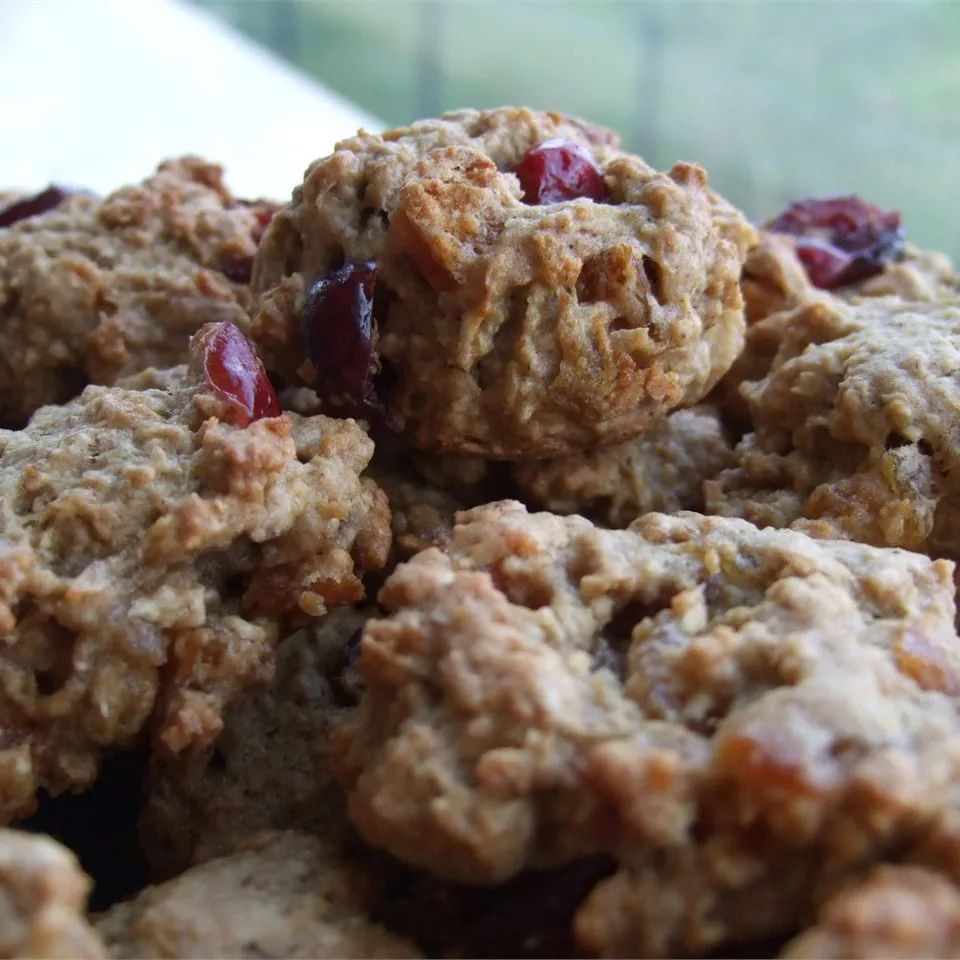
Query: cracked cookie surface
[(854, 428), (742, 718), (95, 290), (509, 329), (149, 549)]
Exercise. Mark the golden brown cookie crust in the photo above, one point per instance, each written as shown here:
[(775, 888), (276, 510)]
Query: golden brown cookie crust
[(148, 552), (854, 426), (716, 706), (96, 290), (512, 330)]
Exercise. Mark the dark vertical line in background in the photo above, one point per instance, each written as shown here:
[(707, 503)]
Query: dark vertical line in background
[(284, 29), (651, 36), (430, 59)]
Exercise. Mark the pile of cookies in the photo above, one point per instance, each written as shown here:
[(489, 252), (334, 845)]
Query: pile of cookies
[(501, 549)]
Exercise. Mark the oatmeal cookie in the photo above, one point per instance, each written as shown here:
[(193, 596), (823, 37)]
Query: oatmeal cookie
[(895, 912), (663, 470), (95, 290), (855, 427), (741, 718), (268, 768), (774, 279), (149, 546), (282, 895), (505, 328), (43, 895)]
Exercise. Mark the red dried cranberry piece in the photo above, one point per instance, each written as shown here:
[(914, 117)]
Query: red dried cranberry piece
[(264, 211), (41, 202), (234, 370), (557, 170), (237, 269), (339, 336), (841, 240)]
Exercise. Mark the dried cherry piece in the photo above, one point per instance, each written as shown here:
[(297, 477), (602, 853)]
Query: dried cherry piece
[(557, 170), (234, 370), (42, 202), (841, 240), (264, 211), (339, 336), (237, 269)]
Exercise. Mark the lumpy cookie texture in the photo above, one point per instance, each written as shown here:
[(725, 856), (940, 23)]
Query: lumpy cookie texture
[(895, 912), (854, 428), (281, 895), (506, 328), (741, 718), (661, 471), (95, 290), (148, 552), (774, 279), (775, 282), (43, 896), (421, 514), (269, 766)]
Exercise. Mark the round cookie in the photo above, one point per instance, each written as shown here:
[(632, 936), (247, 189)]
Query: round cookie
[(153, 539), (774, 280), (279, 895), (95, 290), (855, 426), (741, 718), (506, 328)]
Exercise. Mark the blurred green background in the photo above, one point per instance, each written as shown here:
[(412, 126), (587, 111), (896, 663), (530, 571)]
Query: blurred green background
[(778, 99)]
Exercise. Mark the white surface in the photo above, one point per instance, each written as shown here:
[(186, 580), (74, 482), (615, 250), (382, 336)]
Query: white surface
[(94, 93)]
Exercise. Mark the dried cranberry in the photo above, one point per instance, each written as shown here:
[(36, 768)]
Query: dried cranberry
[(238, 269), (841, 240), (234, 370), (263, 210), (558, 170), (41, 202), (339, 336)]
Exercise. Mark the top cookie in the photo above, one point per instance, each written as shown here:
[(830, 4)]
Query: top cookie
[(95, 290), (507, 327)]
